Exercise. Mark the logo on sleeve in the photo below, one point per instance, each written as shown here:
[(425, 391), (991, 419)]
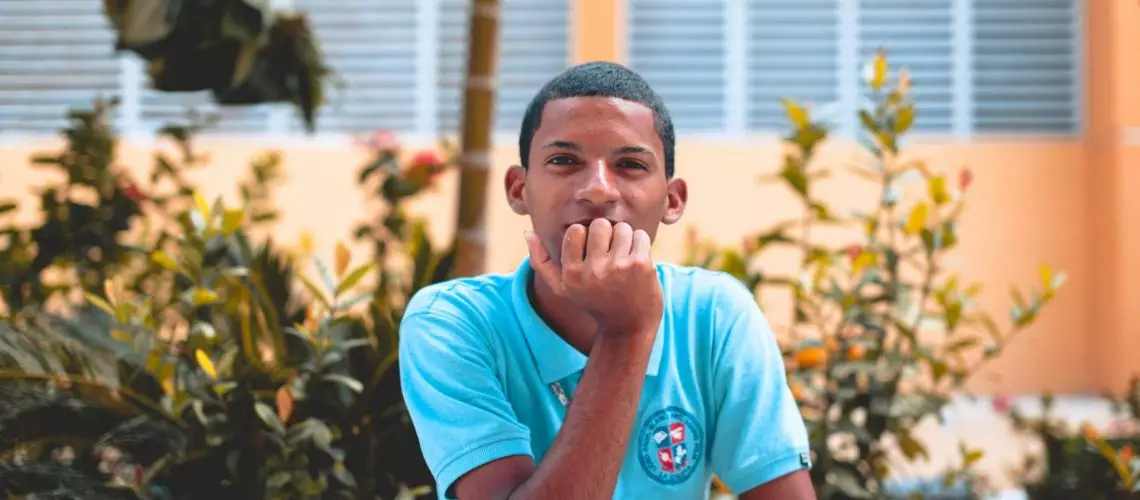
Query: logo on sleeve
[(670, 445)]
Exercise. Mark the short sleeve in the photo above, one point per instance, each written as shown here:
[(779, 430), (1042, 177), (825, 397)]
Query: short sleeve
[(760, 434), (457, 405)]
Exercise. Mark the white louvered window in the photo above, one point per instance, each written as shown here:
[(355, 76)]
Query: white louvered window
[(917, 35), (977, 66), (534, 46), (55, 55), (371, 46), (398, 64), (680, 48), (792, 52), (1026, 66)]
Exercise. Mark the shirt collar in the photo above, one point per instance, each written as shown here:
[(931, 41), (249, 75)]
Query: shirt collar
[(555, 358)]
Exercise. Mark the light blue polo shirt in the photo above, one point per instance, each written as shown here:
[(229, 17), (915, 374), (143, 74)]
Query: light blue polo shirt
[(478, 366)]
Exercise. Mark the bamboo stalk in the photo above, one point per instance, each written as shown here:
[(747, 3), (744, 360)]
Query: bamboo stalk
[(478, 118)]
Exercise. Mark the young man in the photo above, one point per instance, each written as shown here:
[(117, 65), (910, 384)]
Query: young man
[(593, 372)]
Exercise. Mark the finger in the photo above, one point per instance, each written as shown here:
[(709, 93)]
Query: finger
[(598, 243), (622, 244), (544, 266), (574, 245), (641, 245)]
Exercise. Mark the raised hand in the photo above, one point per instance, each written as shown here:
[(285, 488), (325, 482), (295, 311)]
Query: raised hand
[(608, 272)]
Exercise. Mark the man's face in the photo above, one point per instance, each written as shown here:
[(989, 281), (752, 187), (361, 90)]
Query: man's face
[(594, 157)]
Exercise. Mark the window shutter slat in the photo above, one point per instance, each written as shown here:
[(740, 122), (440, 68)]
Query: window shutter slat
[(371, 47), (534, 46), (678, 46), (792, 53), (1026, 66), (917, 34), (55, 55)]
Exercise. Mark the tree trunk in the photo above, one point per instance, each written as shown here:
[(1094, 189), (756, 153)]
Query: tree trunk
[(478, 118)]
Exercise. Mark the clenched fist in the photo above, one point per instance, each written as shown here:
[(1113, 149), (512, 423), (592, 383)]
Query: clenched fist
[(609, 273)]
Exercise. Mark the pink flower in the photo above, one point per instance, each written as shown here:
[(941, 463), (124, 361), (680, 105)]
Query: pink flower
[(1002, 403), (383, 141)]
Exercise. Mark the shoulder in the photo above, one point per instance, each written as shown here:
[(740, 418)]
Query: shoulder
[(457, 310), (709, 295)]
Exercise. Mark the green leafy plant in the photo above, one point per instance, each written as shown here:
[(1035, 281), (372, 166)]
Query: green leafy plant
[(204, 364), (882, 332), (1079, 461)]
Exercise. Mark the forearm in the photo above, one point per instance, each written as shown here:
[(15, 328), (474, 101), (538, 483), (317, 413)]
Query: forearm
[(598, 424)]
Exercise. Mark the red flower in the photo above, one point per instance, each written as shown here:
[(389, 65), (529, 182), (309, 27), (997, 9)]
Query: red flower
[(134, 193), (854, 251), (427, 157), (965, 179)]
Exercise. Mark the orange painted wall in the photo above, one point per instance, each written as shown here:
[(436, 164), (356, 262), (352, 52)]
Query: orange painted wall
[(1072, 203)]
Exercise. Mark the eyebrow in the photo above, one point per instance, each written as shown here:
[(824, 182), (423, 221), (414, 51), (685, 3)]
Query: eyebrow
[(575, 147)]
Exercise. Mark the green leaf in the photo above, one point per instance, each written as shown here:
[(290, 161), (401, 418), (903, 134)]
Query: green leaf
[(797, 115), (330, 283), (349, 382), (315, 291), (269, 416), (904, 119), (795, 178), (354, 277), (231, 221), (917, 219), (159, 257), (100, 303), (962, 344), (203, 296)]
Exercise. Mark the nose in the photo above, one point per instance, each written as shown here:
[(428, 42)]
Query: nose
[(598, 184)]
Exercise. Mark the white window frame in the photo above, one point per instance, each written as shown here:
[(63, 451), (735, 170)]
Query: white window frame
[(276, 133), (962, 128)]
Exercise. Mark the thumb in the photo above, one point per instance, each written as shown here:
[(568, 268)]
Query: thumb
[(541, 262)]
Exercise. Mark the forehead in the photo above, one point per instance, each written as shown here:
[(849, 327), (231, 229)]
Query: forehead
[(597, 120)]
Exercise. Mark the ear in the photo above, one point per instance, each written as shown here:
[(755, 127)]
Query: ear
[(515, 185), (676, 197)]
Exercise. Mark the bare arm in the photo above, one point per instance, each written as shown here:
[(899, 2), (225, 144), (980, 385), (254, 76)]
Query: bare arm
[(618, 285), (794, 486), (598, 425)]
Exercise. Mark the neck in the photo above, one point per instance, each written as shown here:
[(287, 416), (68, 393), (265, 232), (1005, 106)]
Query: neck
[(567, 320)]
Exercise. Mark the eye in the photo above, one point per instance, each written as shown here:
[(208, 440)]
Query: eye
[(634, 164), (561, 160)]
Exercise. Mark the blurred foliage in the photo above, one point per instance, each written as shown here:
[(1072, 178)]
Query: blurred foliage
[(883, 332), (153, 349), (1082, 462), (241, 51)]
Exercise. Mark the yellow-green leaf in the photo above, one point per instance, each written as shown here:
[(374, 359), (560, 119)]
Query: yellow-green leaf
[(121, 335), (904, 119), (916, 220), (159, 257), (100, 303), (1046, 278), (878, 71), (202, 205), (971, 457), (203, 296), (342, 258), (938, 191), (204, 362), (796, 113), (863, 261), (231, 221), (354, 277), (315, 290)]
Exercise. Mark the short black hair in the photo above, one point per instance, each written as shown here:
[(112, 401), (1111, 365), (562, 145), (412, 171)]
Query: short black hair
[(599, 79)]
